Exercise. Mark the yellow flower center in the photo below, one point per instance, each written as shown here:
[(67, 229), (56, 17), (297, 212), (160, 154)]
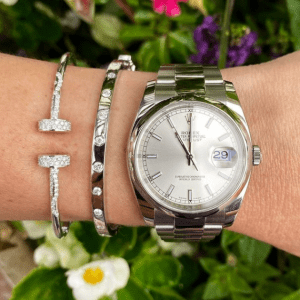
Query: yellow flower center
[(93, 275)]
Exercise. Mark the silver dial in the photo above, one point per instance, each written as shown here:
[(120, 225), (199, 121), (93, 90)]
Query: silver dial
[(190, 156)]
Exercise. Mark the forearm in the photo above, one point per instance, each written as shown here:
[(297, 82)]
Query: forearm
[(270, 208)]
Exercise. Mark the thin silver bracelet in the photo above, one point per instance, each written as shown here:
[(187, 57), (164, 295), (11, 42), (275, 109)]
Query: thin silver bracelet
[(54, 162), (123, 62), (54, 123)]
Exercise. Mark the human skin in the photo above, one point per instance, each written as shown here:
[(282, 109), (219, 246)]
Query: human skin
[(268, 93)]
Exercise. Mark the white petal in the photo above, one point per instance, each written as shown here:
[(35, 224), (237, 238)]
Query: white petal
[(46, 256), (10, 2), (180, 249), (88, 293), (35, 229), (121, 271)]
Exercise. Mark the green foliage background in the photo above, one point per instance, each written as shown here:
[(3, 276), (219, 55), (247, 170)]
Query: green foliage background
[(232, 266)]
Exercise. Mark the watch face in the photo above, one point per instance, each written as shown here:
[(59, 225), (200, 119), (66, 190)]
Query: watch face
[(190, 156)]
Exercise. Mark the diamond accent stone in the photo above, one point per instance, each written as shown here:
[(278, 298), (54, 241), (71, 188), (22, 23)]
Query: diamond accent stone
[(102, 114), (99, 140), (54, 125), (98, 212), (57, 161), (97, 191), (111, 75), (98, 167), (106, 93)]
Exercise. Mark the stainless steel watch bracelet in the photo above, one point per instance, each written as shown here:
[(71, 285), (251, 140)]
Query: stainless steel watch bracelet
[(123, 62), (174, 80)]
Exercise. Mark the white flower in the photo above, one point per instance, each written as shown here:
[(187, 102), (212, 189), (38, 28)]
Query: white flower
[(70, 20), (9, 2), (35, 229), (46, 256), (98, 278), (177, 248), (71, 252)]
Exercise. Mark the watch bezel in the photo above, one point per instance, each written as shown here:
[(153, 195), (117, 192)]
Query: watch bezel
[(144, 116)]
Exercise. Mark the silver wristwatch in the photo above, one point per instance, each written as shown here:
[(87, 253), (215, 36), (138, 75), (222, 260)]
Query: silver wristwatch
[(190, 153)]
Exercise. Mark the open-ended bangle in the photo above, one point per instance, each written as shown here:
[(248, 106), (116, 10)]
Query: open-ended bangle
[(54, 162), (54, 123), (123, 62)]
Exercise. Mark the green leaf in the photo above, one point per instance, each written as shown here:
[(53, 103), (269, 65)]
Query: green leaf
[(157, 271), (106, 30), (123, 241), (163, 53), (293, 296), (257, 273), (273, 290), (133, 2), (198, 292), (147, 56), (165, 294), (86, 233), (181, 45), (215, 289), (190, 272), (237, 284), (294, 12), (228, 238), (253, 251), (133, 291), (47, 29), (239, 296), (25, 35), (42, 283), (131, 33), (144, 16), (186, 18), (209, 264)]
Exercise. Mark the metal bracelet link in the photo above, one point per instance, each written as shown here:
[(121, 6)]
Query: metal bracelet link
[(123, 62)]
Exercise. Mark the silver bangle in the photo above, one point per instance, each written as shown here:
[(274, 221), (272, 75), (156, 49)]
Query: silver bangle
[(123, 62), (54, 162), (54, 123)]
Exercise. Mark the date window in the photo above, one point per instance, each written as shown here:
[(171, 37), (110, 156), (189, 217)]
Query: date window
[(225, 157)]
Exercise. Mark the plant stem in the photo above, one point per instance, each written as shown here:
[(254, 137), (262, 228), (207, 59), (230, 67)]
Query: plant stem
[(225, 34), (126, 8)]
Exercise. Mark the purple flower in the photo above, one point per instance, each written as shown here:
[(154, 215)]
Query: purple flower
[(206, 37)]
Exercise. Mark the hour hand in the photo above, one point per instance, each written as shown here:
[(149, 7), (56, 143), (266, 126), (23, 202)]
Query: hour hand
[(189, 155)]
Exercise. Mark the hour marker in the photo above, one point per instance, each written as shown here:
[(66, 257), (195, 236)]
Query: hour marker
[(190, 195), (209, 190), (170, 190), (157, 137), (170, 122), (151, 155), (156, 175), (224, 136), (209, 122), (224, 176)]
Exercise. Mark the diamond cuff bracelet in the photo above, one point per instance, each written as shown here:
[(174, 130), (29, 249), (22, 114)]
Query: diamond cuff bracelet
[(123, 62), (54, 162), (54, 123)]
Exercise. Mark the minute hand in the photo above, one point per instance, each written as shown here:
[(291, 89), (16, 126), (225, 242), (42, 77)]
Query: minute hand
[(182, 143)]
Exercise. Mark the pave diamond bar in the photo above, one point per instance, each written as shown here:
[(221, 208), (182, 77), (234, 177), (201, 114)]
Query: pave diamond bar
[(58, 82), (54, 125), (55, 161)]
